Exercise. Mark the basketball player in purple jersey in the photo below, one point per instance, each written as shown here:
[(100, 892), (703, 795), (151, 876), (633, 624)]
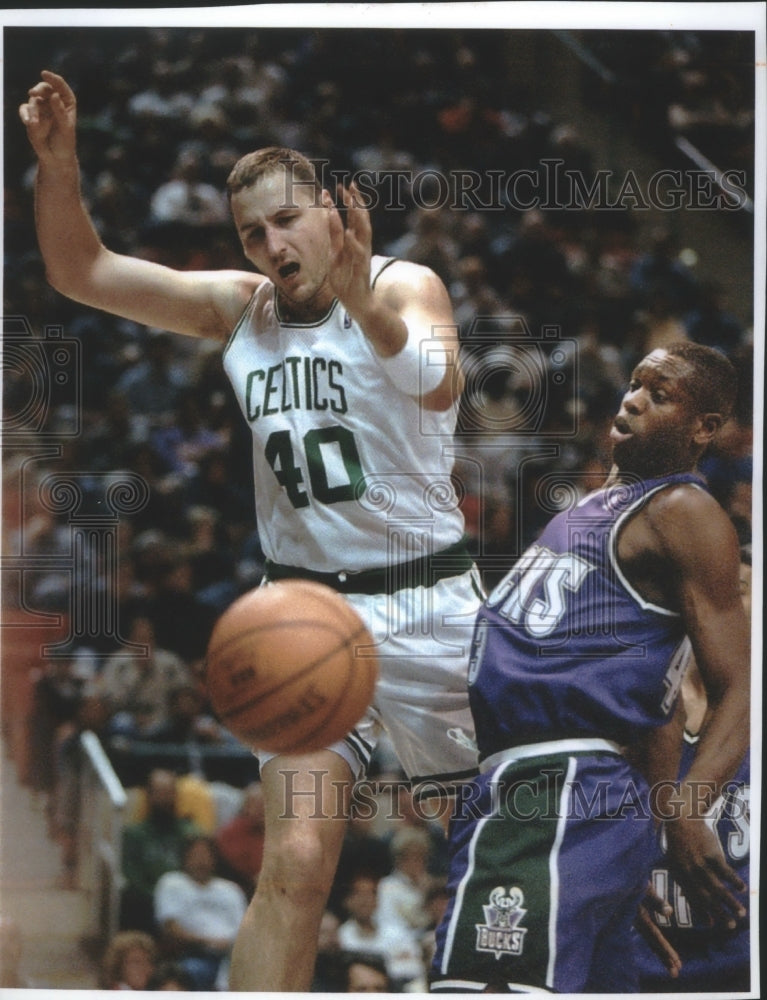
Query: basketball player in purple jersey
[(578, 657)]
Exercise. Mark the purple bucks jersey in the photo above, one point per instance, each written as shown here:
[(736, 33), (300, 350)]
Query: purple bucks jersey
[(564, 646)]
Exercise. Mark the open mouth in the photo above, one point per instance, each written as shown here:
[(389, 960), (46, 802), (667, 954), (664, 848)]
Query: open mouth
[(620, 428), (288, 270)]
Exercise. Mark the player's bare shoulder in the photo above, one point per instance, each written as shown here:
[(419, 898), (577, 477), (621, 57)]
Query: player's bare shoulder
[(229, 294), (679, 526), (403, 282), (682, 511)]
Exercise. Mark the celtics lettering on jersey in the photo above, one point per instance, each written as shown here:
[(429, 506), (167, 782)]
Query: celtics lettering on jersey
[(295, 383)]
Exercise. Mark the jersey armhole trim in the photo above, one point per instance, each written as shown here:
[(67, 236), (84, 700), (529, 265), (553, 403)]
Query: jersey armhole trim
[(644, 604)]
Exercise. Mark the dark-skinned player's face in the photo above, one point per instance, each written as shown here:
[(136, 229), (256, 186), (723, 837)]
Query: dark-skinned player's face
[(658, 427)]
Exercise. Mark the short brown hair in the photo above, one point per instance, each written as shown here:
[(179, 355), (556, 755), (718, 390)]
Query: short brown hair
[(253, 166)]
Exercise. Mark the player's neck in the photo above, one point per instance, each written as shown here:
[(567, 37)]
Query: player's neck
[(313, 310)]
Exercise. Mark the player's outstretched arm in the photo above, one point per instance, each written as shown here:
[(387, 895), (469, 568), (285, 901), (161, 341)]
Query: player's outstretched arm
[(408, 309), (702, 550), (80, 267)]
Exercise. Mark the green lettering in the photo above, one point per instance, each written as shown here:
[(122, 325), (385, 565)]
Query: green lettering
[(253, 412), (320, 403), (339, 405), (271, 389)]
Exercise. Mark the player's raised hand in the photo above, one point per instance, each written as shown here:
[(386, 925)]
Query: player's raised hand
[(50, 118), (350, 253)]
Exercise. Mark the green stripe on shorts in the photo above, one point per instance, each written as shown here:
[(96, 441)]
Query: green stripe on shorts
[(504, 905)]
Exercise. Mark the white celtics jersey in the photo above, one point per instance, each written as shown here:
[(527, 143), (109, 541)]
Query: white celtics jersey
[(350, 473)]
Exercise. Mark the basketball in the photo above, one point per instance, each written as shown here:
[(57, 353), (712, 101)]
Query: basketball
[(290, 667)]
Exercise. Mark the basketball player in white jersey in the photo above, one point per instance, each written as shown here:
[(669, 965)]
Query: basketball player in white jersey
[(346, 369)]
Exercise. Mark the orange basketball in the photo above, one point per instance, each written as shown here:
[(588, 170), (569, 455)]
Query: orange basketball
[(291, 667)]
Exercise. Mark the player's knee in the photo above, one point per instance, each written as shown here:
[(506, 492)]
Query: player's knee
[(300, 865)]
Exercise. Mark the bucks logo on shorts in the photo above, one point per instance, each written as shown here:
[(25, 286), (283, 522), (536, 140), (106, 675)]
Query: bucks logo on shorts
[(501, 934)]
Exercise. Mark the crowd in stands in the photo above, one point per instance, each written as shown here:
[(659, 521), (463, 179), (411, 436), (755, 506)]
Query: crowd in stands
[(191, 857), (163, 115)]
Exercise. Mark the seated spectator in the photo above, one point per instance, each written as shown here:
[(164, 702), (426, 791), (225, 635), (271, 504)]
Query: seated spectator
[(188, 199), (152, 385), (240, 841), (367, 974), (181, 444), (150, 848), (188, 720), (364, 931), (193, 801), (136, 686), (198, 915), (129, 961), (415, 816), (402, 893)]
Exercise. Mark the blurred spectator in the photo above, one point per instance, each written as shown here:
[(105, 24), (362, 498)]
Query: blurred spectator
[(429, 241), (402, 893), (181, 445), (188, 721), (186, 198), (363, 849), (661, 269), (151, 847), (367, 974), (153, 384), (472, 293), (365, 931), (198, 915), (705, 112), (240, 842), (214, 486), (136, 686), (415, 816), (129, 961)]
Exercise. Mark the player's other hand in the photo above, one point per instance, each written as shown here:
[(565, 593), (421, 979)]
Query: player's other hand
[(709, 883), (653, 935), (50, 117), (351, 251)]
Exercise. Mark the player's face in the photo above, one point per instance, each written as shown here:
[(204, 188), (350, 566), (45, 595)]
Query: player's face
[(284, 230), (657, 428)]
